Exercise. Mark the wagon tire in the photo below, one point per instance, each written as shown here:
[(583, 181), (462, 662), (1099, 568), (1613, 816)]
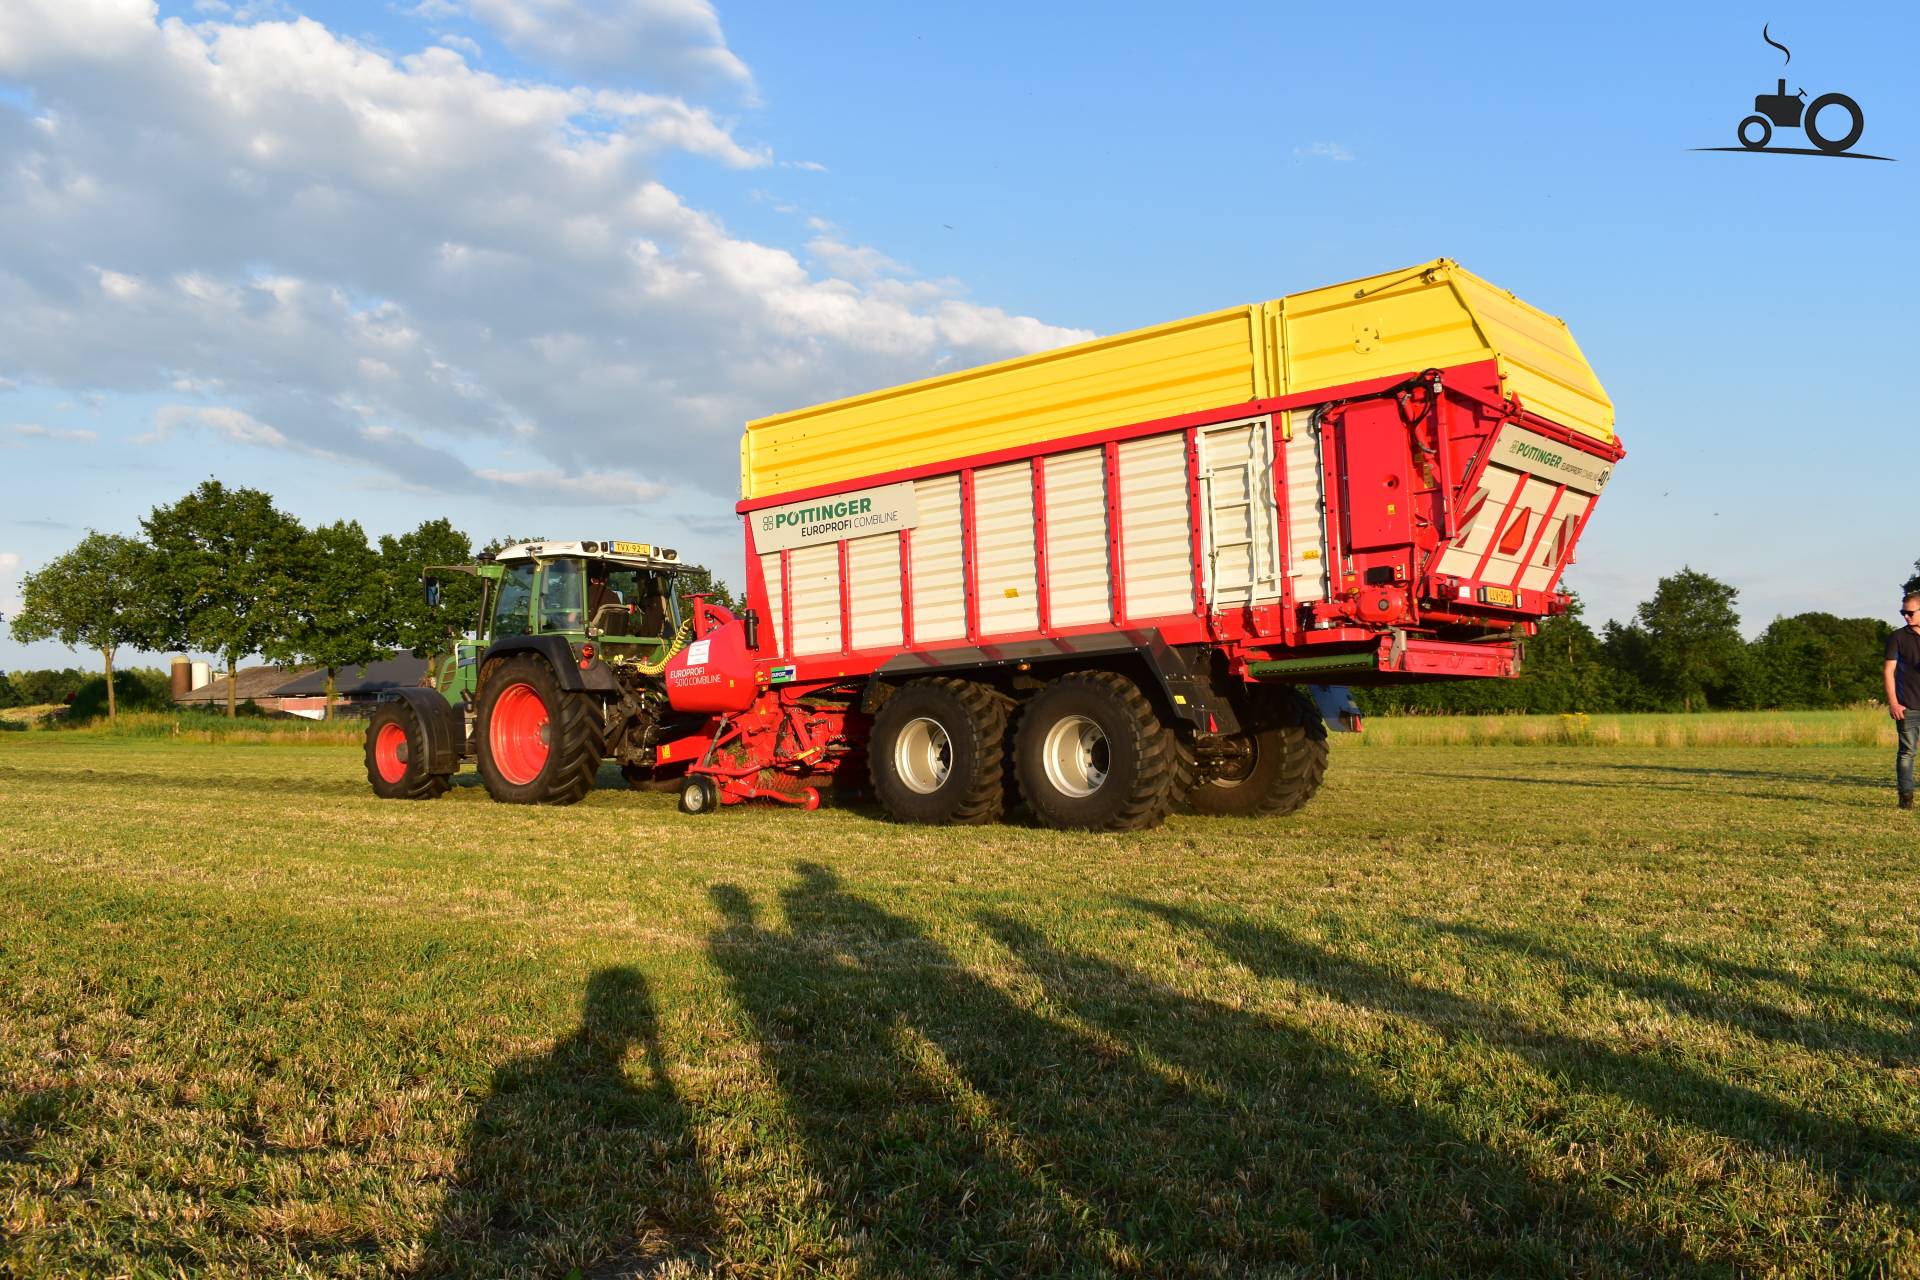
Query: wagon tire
[(1281, 761), (536, 742), (396, 753), (938, 753), (1092, 755)]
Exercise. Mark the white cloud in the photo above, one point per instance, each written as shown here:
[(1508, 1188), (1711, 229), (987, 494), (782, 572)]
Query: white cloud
[(677, 43), (1323, 151), (593, 488), (65, 435), (465, 44), (331, 240), (228, 423)]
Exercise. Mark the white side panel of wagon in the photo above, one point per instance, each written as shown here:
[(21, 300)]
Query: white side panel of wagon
[(1156, 542), (1005, 571)]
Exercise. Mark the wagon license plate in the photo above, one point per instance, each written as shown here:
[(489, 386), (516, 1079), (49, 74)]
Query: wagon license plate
[(1505, 597)]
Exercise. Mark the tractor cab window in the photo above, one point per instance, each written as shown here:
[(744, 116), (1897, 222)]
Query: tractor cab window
[(513, 606), (563, 605), (652, 594)]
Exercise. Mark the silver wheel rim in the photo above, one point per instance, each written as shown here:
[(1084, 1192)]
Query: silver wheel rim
[(696, 798), (1075, 756), (923, 755)]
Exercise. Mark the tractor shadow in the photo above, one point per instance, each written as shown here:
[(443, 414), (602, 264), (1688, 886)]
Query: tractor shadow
[(581, 1160), (1132, 1127)]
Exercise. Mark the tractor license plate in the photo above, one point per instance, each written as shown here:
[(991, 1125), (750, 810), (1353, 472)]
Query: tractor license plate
[(1502, 596), (631, 548)]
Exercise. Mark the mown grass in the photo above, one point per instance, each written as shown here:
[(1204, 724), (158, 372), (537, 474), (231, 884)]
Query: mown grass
[(215, 726), (1513, 1011), (1852, 727)]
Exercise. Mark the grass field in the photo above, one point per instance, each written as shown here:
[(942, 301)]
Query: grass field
[(1592, 1010)]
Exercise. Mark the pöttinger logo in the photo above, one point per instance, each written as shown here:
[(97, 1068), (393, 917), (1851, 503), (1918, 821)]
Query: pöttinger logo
[(1832, 122)]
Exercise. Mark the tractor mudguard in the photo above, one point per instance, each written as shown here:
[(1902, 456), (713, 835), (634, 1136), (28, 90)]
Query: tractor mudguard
[(1180, 676), (597, 678), (444, 727)]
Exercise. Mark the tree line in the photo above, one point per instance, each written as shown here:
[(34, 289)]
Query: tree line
[(225, 571), (1681, 651)]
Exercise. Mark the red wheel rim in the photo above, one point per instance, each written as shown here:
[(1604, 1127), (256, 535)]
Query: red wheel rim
[(390, 752), (517, 734)]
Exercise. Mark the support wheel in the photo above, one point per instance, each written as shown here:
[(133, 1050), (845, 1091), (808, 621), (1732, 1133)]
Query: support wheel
[(1093, 756), (537, 743), (1276, 765), (938, 753), (699, 794), (397, 756)]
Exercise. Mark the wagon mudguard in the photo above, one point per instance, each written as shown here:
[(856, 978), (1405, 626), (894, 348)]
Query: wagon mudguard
[(597, 678), (1179, 675), (445, 728)]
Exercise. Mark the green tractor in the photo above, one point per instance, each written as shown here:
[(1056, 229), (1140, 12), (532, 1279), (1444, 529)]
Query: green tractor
[(561, 672)]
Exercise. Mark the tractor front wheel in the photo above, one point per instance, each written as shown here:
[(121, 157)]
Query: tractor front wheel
[(537, 743), (397, 756)]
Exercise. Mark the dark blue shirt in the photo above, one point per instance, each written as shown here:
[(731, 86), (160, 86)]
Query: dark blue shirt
[(1903, 648)]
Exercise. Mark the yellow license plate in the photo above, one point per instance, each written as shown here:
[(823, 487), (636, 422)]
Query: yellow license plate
[(631, 548), (1503, 596)]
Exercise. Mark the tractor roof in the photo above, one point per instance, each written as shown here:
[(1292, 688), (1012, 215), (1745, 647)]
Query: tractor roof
[(644, 555)]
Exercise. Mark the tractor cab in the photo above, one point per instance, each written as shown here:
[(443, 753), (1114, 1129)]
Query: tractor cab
[(617, 600)]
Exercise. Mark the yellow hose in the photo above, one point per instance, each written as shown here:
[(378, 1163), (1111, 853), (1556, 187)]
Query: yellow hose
[(679, 643)]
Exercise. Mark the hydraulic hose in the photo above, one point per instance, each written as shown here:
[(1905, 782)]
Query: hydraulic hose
[(679, 643)]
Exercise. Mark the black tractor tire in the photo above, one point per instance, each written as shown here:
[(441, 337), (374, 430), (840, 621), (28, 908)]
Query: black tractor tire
[(1755, 144), (654, 778), (938, 753), (1282, 760), (1857, 123), (536, 742), (396, 753), (1092, 755)]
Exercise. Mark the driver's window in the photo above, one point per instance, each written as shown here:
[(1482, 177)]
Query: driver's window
[(514, 604), (562, 600)]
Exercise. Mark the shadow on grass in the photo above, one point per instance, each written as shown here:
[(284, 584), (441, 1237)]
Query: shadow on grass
[(574, 1166), (954, 1129), (1862, 1158), (1750, 1015)]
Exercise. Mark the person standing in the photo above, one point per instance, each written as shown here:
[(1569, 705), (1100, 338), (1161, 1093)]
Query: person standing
[(1903, 694)]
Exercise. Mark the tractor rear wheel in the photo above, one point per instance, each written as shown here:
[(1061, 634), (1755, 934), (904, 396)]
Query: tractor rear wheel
[(397, 756), (1093, 756), (537, 743), (1277, 764), (938, 751)]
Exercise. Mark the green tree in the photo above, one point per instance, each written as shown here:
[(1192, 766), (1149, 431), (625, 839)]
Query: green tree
[(1693, 638), (404, 561), (698, 581), (1817, 660), (97, 596), (228, 561), (340, 616)]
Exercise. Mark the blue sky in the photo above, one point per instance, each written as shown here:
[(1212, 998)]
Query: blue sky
[(529, 263)]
